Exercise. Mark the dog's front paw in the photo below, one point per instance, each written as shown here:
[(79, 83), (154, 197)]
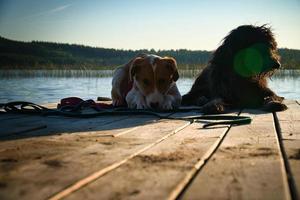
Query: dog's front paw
[(273, 98), (135, 100), (137, 104), (281, 98), (215, 106), (167, 105), (131, 105), (119, 102), (141, 105), (274, 106)]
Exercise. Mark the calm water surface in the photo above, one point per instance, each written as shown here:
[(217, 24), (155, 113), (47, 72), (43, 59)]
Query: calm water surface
[(45, 87)]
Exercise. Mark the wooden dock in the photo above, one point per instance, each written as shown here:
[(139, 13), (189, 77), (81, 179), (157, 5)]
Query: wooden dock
[(142, 157)]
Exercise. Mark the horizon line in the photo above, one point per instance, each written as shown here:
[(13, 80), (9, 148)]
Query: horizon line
[(123, 49)]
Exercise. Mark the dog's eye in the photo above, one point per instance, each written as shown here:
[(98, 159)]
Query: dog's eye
[(146, 82)]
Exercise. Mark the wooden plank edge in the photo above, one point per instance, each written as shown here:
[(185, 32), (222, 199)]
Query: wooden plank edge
[(289, 182), (120, 133), (94, 176)]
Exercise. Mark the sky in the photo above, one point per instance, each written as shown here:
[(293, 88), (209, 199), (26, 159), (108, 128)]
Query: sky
[(145, 24)]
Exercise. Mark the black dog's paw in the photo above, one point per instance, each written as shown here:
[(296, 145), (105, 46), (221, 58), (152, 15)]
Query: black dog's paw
[(273, 98), (215, 106), (274, 106), (216, 109), (278, 98)]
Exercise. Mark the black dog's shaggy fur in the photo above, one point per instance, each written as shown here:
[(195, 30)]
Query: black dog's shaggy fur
[(236, 76)]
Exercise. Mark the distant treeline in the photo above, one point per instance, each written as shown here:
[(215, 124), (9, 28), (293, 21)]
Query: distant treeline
[(48, 55)]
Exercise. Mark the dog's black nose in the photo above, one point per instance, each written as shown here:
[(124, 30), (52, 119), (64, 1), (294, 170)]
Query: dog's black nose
[(154, 105), (276, 65)]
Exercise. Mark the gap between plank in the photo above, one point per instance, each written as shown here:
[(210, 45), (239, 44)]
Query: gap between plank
[(94, 176), (179, 190), (289, 181), (188, 179), (124, 132)]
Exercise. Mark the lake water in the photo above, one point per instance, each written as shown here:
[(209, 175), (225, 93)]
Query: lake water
[(47, 87)]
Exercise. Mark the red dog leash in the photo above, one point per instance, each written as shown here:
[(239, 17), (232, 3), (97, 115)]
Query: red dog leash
[(73, 102)]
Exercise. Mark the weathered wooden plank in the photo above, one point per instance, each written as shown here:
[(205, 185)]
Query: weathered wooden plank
[(55, 125), (93, 177), (20, 124), (14, 154), (60, 124), (289, 122), (102, 155), (100, 126), (77, 135), (69, 133), (247, 165), (6, 116), (15, 131), (156, 172)]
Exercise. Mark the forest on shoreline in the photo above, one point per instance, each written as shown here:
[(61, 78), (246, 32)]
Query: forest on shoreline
[(50, 55)]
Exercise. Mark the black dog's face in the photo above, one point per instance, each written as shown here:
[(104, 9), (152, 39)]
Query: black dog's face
[(251, 50), (256, 59)]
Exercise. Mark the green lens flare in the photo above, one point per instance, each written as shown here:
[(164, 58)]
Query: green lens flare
[(248, 62)]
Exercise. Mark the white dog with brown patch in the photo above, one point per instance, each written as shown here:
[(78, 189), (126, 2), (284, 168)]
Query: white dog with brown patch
[(147, 81)]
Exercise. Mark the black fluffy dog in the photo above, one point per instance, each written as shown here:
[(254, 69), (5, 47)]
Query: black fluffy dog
[(236, 76)]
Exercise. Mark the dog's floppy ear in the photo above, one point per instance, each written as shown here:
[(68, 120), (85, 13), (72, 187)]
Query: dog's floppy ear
[(134, 67), (172, 65)]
